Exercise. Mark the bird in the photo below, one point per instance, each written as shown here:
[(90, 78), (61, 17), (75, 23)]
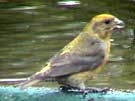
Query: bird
[(82, 58)]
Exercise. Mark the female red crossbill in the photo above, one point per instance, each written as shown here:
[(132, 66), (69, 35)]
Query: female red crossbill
[(83, 57)]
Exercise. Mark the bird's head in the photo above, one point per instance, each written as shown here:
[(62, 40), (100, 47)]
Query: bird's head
[(104, 24)]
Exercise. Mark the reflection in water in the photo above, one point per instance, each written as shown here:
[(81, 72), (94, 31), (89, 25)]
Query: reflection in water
[(133, 36), (69, 3), (31, 34)]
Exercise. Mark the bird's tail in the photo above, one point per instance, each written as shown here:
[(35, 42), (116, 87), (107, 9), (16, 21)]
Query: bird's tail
[(35, 78), (30, 81)]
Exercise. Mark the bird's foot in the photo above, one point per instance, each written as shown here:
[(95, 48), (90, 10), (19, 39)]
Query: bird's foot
[(70, 89), (94, 90), (97, 90), (75, 90), (65, 88)]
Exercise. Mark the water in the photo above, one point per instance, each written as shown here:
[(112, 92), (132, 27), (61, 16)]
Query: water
[(33, 31)]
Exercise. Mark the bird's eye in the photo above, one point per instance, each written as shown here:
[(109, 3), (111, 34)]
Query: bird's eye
[(107, 21)]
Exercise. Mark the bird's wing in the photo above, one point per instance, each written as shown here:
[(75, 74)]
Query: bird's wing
[(70, 63)]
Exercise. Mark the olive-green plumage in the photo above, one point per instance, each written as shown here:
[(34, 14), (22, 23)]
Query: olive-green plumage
[(83, 57)]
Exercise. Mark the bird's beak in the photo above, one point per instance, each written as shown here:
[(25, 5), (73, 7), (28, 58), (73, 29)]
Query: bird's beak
[(119, 24)]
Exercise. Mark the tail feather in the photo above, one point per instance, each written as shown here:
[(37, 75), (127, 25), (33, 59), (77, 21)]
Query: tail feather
[(31, 81), (35, 78), (28, 83)]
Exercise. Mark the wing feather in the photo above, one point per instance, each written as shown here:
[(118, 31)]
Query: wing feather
[(68, 63)]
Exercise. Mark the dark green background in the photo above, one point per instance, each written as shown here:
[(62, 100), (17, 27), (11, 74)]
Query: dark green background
[(32, 31)]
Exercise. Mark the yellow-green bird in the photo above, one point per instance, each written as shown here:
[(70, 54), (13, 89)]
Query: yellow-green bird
[(83, 57)]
